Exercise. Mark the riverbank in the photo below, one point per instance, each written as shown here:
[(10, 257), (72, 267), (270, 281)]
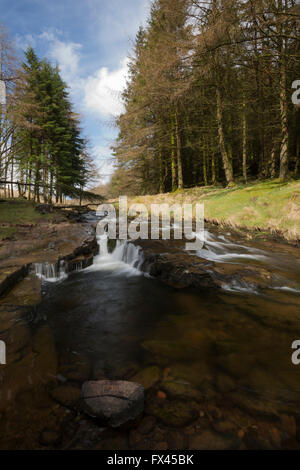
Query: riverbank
[(264, 208), (31, 235)]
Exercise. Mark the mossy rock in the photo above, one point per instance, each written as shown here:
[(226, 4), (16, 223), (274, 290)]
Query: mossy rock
[(196, 374), (164, 349), (147, 377), (173, 413), (181, 390), (78, 370)]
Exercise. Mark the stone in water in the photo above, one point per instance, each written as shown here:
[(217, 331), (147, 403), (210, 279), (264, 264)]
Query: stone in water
[(114, 401)]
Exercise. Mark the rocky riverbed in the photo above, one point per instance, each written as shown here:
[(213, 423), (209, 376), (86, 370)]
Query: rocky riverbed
[(202, 343)]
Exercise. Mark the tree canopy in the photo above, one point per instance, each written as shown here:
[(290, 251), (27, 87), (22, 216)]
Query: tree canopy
[(42, 150), (209, 96)]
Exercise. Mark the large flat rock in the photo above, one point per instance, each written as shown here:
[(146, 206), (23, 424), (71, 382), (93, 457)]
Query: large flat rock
[(115, 402)]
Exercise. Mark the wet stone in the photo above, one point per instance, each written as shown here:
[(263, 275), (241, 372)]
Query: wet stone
[(181, 390), (173, 413), (209, 440), (147, 377), (77, 371), (146, 425), (114, 402), (66, 395)]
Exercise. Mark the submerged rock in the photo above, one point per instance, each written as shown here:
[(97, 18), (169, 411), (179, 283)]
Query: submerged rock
[(173, 413), (209, 440), (148, 377), (182, 390), (66, 395), (77, 368), (115, 402)]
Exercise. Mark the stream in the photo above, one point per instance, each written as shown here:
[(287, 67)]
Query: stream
[(216, 365)]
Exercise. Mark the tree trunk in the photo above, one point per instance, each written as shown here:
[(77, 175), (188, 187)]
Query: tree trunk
[(161, 176), (273, 162), (244, 141), (179, 161), (226, 163), (204, 165), (284, 148), (173, 162), (37, 181)]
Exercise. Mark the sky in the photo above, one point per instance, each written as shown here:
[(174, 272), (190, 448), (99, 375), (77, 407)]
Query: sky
[(90, 40)]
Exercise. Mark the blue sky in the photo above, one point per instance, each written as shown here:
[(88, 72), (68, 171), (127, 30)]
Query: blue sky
[(90, 40)]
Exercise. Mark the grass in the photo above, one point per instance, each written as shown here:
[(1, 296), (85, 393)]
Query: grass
[(14, 212), (268, 206)]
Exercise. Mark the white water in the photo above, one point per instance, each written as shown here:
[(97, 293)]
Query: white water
[(51, 272), (126, 258), (219, 249)]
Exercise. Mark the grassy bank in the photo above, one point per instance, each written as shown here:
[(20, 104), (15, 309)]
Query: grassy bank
[(270, 206), (16, 212)]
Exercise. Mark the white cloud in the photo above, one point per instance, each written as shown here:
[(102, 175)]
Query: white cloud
[(103, 90), (100, 91), (67, 56), (22, 42)]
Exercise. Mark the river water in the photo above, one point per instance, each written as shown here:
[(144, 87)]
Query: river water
[(218, 361)]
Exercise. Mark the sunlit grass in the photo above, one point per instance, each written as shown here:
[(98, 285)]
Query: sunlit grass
[(269, 205), (14, 212)]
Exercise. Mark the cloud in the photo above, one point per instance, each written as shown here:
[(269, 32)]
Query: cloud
[(103, 90), (100, 92), (22, 42), (67, 56)]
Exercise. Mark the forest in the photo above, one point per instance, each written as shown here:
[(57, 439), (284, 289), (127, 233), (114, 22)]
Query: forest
[(156, 314), (43, 154), (209, 97)]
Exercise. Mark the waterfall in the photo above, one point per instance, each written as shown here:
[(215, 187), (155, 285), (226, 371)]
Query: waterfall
[(126, 257), (129, 254), (51, 272)]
